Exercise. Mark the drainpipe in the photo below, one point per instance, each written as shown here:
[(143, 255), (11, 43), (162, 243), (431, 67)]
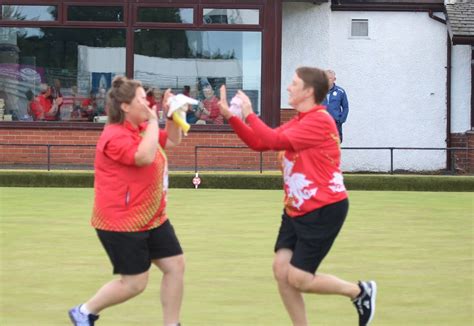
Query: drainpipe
[(448, 91)]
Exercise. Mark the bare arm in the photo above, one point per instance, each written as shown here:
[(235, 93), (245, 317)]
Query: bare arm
[(173, 130), (146, 151)]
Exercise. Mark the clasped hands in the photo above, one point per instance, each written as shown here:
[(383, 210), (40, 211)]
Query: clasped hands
[(240, 105)]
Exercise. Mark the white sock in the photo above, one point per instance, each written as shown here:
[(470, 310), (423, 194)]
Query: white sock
[(83, 309)]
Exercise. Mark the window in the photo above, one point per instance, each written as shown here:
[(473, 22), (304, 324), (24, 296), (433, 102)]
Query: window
[(80, 45), (76, 64), (95, 13), (166, 15), (198, 63), (231, 16), (360, 28), (29, 13)]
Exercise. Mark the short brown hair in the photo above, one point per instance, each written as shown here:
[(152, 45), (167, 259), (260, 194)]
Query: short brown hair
[(123, 90), (315, 78)]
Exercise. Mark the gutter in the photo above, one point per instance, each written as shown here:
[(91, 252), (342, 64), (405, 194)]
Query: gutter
[(385, 6), (448, 90)]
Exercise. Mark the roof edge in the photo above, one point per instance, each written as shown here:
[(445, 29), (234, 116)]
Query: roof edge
[(437, 7), (462, 40)]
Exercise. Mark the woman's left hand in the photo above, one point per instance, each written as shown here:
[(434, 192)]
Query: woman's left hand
[(223, 105), (166, 96)]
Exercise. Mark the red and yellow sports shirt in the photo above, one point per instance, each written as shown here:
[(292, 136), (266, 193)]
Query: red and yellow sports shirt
[(128, 198)]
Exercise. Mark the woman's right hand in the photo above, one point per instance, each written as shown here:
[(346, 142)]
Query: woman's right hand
[(223, 105), (246, 104)]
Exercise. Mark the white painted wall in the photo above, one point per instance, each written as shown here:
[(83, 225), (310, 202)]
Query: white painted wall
[(305, 40), (395, 80), (461, 89)]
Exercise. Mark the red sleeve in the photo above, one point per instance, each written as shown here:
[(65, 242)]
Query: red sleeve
[(275, 139), (247, 135), (162, 138), (119, 147), (311, 131)]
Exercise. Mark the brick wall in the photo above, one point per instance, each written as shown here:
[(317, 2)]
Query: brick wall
[(180, 158), (286, 115), (463, 160)]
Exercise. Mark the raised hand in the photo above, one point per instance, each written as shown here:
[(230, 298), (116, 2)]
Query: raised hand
[(223, 105), (246, 104)]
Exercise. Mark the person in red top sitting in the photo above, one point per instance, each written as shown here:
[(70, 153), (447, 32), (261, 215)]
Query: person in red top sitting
[(44, 107), (209, 107), (129, 214), (315, 200)]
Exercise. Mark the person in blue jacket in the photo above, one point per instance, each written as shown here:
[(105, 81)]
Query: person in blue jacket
[(336, 102)]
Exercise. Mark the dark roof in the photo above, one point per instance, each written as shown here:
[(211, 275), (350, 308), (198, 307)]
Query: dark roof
[(460, 16)]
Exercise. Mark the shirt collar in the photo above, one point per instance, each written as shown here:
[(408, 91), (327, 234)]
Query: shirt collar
[(314, 109), (141, 127)]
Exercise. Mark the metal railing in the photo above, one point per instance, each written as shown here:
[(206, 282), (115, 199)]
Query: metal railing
[(449, 150), (197, 147), (48, 146)]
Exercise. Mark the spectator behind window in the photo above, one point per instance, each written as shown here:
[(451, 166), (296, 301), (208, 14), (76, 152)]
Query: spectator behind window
[(44, 106)]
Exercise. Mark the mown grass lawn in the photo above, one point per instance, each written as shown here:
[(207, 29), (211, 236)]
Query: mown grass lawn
[(417, 245)]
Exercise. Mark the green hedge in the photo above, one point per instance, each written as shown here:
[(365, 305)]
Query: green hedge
[(72, 179)]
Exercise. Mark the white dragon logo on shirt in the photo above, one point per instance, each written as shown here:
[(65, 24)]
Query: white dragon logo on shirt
[(337, 183), (297, 184)]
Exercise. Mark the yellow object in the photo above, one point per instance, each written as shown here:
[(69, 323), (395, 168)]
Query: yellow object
[(180, 122)]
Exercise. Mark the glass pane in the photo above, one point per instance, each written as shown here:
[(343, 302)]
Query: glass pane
[(197, 63), (360, 27), (28, 13), (58, 74), (231, 16), (166, 15), (95, 13)]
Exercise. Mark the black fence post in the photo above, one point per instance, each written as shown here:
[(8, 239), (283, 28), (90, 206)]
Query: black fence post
[(453, 161), (391, 160), (261, 162), (195, 159), (49, 157)]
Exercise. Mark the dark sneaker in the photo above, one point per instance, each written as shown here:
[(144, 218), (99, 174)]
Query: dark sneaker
[(80, 319), (365, 302)]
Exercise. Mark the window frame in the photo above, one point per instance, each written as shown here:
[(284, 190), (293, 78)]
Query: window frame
[(270, 25)]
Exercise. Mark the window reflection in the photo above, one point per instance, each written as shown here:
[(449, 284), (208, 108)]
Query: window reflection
[(231, 16), (166, 15), (197, 63), (51, 74), (28, 13), (95, 13)]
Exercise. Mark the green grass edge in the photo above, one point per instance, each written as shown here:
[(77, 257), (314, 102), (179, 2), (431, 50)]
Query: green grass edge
[(236, 180)]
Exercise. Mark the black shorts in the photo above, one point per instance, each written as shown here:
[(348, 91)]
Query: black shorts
[(131, 253), (311, 236)]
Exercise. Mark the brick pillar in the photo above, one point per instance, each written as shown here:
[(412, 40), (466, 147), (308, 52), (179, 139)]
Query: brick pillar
[(463, 160), (470, 144)]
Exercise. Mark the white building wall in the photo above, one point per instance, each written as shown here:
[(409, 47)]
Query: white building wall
[(395, 80), (305, 40), (461, 89)]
